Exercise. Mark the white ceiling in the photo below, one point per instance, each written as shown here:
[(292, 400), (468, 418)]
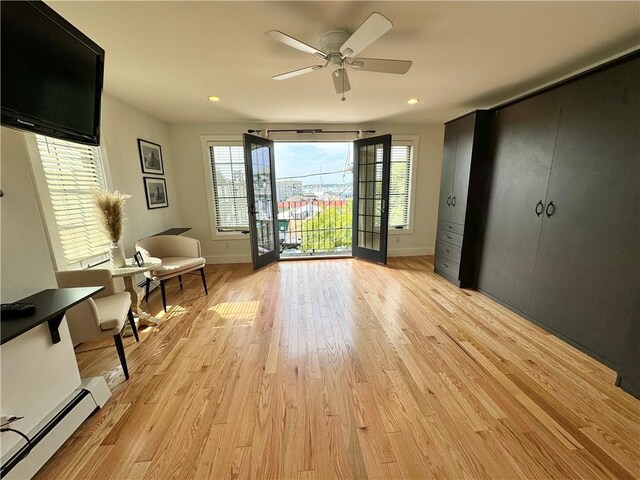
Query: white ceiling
[(166, 57)]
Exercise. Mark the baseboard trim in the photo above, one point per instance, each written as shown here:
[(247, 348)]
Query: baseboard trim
[(223, 259), (392, 252), (23, 461), (411, 252)]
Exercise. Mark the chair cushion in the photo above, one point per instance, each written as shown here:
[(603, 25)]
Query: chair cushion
[(112, 310), (172, 266)]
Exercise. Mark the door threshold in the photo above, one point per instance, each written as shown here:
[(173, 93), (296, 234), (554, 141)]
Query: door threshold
[(316, 257)]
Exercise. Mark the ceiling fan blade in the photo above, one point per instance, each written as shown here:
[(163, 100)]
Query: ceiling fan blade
[(372, 29), (381, 65), (341, 80), (295, 73), (297, 44)]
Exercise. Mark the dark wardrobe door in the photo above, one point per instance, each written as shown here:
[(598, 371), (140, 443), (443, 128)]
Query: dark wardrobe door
[(464, 149), (524, 148), (448, 167), (587, 271)]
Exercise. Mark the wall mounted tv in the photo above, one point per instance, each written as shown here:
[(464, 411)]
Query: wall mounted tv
[(51, 74)]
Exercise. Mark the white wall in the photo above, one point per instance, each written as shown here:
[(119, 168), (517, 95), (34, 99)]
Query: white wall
[(36, 375), (122, 125), (185, 138)]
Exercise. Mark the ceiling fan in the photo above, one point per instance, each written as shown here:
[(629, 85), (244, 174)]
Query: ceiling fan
[(338, 49)]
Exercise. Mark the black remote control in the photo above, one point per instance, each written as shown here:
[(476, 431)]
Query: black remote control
[(16, 310)]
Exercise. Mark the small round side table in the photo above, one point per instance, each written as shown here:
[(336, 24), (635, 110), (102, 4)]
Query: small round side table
[(128, 272)]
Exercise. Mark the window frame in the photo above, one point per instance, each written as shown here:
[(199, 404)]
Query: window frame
[(46, 206), (219, 140), (396, 140), (412, 140)]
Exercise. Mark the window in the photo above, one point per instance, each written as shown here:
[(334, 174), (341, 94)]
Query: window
[(229, 187), (71, 171), (223, 157), (400, 185)]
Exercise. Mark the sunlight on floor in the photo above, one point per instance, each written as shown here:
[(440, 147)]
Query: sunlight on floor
[(246, 311)]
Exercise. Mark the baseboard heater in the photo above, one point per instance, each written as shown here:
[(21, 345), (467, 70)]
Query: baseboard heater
[(24, 460)]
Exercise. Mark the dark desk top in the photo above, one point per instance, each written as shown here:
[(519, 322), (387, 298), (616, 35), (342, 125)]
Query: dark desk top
[(173, 231), (50, 304)]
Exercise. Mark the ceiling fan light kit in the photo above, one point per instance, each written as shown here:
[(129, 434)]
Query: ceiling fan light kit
[(338, 47)]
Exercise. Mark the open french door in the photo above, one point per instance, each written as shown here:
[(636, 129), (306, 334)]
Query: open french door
[(371, 176), (261, 199)]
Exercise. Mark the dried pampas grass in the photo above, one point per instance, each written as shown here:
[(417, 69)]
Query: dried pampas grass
[(110, 207)]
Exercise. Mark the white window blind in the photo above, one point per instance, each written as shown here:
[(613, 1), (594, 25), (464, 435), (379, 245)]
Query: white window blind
[(71, 171), (400, 186), (229, 187)]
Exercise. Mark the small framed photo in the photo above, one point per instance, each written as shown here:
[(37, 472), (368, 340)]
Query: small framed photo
[(156, 192), (150, 157), (137, 258)]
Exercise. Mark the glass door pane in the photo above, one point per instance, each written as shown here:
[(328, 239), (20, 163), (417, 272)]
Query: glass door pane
[(261, 194), (371, 181)]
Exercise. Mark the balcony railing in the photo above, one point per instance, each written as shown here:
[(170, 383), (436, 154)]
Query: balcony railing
[(316, 227)]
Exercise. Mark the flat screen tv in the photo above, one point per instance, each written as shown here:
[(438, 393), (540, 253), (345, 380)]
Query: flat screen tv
[(51, 74)]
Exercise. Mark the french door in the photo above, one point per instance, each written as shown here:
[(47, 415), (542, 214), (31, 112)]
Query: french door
[(371, 177), (261, 199)]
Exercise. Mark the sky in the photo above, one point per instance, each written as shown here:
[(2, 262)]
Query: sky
[(294, 159)]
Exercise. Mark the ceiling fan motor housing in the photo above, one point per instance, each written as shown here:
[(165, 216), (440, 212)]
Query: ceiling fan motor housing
[(330, 43)]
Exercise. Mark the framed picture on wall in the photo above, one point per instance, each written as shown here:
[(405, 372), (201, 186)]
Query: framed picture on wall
[(150, 157), (156, 192)]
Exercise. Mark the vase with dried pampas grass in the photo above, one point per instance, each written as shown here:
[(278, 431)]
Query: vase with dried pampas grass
[(110, 207)]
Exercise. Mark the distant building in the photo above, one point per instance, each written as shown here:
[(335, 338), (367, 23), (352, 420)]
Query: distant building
[(288, 188)]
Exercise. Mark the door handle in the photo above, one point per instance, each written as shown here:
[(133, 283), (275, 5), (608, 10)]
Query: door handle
[(553, 209), (252, 209), (453, 202), (449, 200), (539, 208)]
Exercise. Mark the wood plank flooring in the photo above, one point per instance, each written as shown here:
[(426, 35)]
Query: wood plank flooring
[(345, 369)]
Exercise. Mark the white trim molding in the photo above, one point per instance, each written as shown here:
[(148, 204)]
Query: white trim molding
[(414, 141), (411, 251), (224, 259), (205, 140)]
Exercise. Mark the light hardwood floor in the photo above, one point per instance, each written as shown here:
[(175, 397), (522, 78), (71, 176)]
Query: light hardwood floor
[(341, 368)]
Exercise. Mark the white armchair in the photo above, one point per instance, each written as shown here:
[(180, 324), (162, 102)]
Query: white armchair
[(179, 255), (102, 315)]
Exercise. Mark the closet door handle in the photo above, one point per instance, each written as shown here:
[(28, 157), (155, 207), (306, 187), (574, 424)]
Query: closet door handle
[(552, 211), (449, 200), (539, 208), (453, 201)]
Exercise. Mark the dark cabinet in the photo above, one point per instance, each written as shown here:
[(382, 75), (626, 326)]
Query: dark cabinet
[(461, 173), (561, 242), (464, 154), (446, 176), (524, 140), (588, 261)]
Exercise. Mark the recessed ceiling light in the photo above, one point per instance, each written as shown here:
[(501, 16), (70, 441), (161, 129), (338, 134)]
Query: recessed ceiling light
[(213, 98), (412, 101)]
